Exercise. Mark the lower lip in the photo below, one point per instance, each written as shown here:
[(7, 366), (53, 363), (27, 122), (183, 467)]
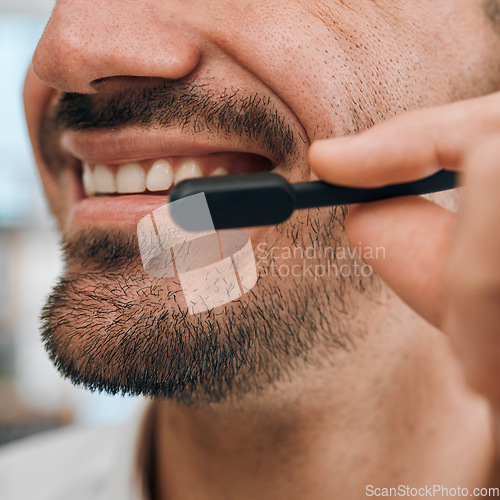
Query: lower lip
[(124, 211)]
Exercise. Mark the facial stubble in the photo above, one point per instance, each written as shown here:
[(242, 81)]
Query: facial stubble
[(110, 327)]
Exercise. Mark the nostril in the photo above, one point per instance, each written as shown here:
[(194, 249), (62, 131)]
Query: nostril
[(113, 84)]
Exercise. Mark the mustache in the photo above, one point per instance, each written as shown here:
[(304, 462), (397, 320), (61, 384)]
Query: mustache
[(189, 106)]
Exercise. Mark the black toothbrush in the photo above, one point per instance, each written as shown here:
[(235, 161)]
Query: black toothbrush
[(263, 199)]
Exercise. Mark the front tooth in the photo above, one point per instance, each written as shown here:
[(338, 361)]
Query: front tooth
[(104, 180), (188, 170), (160, 176), (218, 172), (88, 180), (130, 178)]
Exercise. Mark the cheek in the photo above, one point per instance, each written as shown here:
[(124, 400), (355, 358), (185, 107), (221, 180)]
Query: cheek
[(36, 97), (337, 70), (451, 46), (60, 196), (342, 68)]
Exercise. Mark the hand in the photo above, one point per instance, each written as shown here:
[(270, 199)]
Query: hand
[(445, 266)]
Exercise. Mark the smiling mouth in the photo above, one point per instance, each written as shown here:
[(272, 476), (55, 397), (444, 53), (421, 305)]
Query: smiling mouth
[(121, 193), (121, 174), (158, 176)]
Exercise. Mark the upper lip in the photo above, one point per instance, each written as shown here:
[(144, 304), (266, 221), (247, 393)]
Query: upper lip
[(133, 144)]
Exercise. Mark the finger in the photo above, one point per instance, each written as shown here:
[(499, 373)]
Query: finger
[(408, 147), (473, 318), (412, 236)]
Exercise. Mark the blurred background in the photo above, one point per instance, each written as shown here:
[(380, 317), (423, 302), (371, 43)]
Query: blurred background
[(33, 396)]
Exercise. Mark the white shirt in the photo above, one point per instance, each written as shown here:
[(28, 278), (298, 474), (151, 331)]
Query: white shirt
[(77, 463)]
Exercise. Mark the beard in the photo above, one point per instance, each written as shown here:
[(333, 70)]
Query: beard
[(108, 326)]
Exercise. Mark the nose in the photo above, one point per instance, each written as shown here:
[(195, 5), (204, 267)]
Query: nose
[(86, 41)]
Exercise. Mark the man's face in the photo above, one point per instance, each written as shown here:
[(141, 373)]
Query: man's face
[(241, 85)]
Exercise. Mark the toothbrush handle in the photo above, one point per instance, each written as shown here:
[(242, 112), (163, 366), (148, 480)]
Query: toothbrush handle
[(265, 198), (320, 194)]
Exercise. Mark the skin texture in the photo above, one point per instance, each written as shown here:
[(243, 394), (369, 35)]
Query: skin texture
[(312, 388)]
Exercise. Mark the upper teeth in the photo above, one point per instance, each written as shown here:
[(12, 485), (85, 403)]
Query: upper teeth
[(160, 176), (104, 180), (132, 178), (188, 170)]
